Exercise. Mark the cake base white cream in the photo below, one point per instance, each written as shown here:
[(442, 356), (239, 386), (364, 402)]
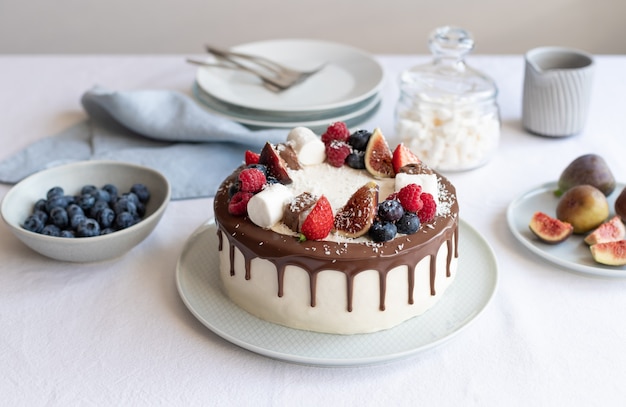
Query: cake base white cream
[(330, 314)]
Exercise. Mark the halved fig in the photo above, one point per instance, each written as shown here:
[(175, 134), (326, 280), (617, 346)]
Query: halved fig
[(378, 156), (276, 166), (610, 253), (548, 229), (609, 231), (357, 215)]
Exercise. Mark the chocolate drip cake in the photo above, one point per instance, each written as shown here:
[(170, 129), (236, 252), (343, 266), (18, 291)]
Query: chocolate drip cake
[(310, 242)]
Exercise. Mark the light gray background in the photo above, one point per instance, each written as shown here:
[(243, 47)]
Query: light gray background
[(378, 26)]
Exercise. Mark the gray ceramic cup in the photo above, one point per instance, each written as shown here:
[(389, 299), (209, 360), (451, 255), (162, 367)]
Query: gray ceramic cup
[(557, 91)]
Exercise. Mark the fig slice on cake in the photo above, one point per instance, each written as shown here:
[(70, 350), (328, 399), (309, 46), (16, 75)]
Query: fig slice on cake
[(378, 156), (276, 165), (355, 218), (548, 229)]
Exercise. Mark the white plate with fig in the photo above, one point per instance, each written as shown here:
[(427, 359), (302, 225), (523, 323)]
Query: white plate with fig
[(569, 251)]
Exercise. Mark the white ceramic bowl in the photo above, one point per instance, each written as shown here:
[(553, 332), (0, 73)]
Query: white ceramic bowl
[(18, 204)]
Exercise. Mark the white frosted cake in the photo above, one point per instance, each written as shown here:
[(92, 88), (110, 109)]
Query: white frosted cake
[(314, 244)]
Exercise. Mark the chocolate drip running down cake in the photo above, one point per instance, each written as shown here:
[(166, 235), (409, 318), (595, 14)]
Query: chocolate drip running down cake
[(283, 260)]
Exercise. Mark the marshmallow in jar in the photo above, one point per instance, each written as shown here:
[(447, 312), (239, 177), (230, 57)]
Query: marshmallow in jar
[(447, 113)]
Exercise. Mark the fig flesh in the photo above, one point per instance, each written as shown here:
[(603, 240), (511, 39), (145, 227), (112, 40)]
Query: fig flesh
[(355, 218), (548, 229), (588, 169), (378, 156), (610, 253), (609, 231), (276, 165), (584, 206)]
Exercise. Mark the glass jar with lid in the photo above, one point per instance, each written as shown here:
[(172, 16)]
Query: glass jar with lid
[(447, 113)]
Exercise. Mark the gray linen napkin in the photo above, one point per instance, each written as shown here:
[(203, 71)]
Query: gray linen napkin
[(164, 130)]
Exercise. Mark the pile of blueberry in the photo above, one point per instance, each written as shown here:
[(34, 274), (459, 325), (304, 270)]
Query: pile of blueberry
[(358, 141), (392, 219), (93, 212)]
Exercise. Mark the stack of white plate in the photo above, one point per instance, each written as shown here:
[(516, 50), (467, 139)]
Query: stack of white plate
[(347, 88)]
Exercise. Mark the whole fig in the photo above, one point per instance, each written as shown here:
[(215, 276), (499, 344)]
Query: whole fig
[(588, 169), (584, 207), (620, 205)]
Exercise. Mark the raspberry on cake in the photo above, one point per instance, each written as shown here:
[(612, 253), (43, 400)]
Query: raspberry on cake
[(428, 209), (337, 152), (410, 197), (313, 248), (336, 131), (251, 180)]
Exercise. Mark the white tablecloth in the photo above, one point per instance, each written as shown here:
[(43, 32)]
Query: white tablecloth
[(117, 333)]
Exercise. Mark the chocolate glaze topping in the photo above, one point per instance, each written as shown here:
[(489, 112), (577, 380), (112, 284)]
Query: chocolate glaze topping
[(348, 258)]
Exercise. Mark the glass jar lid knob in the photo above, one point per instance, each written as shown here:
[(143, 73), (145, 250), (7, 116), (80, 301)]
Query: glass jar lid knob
[(450, 44)]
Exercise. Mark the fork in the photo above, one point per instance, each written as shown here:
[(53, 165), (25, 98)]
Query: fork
[(268, 83), (281, 75)]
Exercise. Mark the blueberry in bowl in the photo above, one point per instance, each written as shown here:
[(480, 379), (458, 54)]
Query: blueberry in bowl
[(86, 211)]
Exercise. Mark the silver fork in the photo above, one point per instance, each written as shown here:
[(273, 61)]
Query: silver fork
[(281, 75), (268, 83)]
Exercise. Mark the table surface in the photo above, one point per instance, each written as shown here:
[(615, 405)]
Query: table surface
[(117, 332)]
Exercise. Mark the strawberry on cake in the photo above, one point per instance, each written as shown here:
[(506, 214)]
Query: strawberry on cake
[(336, 234)]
